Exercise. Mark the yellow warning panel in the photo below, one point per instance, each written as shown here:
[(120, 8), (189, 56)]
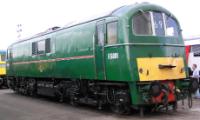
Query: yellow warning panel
[(161, 68), (2, 68)]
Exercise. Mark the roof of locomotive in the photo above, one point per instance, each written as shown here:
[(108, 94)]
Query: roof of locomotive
[(119, 12), (135, 8)]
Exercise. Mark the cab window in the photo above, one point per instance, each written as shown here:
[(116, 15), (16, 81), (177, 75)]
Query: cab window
[(112, 33), (142, 24), (100, 34), (154, 23), (158, 24), (171, 26)]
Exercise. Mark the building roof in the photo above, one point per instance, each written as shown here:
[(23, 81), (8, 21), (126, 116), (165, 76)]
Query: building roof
[(192, 41)]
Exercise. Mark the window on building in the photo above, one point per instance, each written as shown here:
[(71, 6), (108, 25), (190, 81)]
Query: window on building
[(142, 24), (112, 33), (196, 50)]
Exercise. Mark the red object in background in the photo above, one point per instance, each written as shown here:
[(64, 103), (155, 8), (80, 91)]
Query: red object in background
[(187, 51), (171, 94)]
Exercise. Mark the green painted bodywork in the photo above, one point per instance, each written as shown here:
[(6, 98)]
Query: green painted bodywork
[(80, 40)]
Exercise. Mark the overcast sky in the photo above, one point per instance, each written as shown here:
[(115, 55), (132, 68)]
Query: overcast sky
[(39, 15)]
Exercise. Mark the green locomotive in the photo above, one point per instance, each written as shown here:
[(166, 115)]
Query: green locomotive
[(131, 58)]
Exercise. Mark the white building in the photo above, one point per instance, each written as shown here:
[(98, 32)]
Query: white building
[(193, 51)]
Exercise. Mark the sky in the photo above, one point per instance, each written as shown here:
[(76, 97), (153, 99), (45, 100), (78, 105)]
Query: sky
[(36, 16)]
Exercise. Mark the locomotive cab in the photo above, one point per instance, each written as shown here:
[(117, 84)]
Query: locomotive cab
[(157, 35), (148, 52), (157, 57)]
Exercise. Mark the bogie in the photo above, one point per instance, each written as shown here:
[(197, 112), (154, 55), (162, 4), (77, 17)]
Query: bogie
[(97, 94)]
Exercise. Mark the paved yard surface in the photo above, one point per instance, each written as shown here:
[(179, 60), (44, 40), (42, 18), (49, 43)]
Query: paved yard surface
[(17, 107)]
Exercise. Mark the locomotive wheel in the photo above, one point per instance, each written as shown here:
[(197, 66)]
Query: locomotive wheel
[(141, 112), (9, 84), (194, 85), (120, 108), (1, 82), (175, 106), (31, 87), (73, 100), (59, 94)]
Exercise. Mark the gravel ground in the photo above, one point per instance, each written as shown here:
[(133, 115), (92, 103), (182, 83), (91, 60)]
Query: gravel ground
[(18, 107)]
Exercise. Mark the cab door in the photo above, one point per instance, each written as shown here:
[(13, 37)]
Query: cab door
[(99, 50)]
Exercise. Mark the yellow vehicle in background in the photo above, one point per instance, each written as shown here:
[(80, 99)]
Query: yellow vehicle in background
[(3, 82)]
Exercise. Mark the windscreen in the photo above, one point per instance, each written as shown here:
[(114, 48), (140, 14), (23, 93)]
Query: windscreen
[(154, 23)]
